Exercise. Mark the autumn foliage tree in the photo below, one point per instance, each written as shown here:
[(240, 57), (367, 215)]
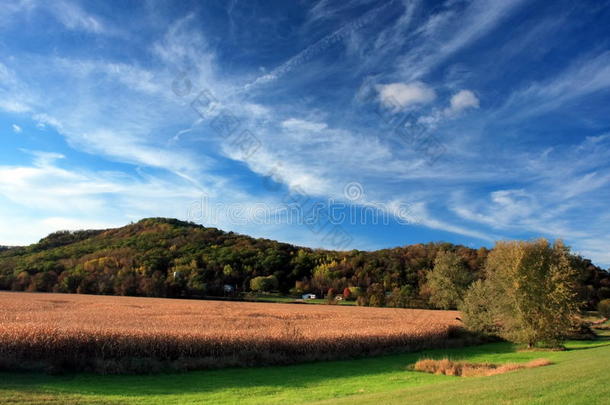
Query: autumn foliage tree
[(528, 296), (376, 295)]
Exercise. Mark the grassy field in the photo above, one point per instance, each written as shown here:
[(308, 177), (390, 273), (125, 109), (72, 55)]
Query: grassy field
[(578, 376)]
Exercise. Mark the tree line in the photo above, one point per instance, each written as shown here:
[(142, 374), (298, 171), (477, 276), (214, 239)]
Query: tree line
[(159, 257)]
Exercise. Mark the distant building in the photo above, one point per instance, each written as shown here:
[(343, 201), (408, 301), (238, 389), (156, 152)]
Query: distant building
[(309, 296), (229, 288)]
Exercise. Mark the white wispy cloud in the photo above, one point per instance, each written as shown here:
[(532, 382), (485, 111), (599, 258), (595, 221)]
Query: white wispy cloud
[(585, 76), (421, 212), (303, 125), (73, 17), (328, 9), (186, 51), (401, 95), (114, 122), (14, 95), (316, 49), (458, 103), (9, 10), (461, 101), (16, 129), (68, 13), (449, 31)]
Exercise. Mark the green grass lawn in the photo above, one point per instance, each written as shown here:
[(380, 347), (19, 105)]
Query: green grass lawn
[(579, 376)]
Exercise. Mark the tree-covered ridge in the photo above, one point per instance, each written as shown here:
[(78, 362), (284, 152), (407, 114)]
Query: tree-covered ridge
[(171, 258)]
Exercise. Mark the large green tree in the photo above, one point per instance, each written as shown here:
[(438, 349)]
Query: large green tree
[(448, 280)]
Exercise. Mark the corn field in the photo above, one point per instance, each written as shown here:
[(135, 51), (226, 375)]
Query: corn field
[(110, 334)]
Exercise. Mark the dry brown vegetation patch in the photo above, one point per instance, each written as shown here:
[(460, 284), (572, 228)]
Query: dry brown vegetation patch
[(120, 334), (468, 369)]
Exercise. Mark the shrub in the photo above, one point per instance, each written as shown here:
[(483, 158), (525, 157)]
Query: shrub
[(330, 296), (467, 369), (604, 308), (264, 284)]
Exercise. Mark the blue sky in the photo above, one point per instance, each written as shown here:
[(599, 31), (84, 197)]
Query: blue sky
[(400, 121)]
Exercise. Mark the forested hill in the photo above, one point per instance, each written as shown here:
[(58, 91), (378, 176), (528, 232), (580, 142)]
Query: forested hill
[(170, 258)]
